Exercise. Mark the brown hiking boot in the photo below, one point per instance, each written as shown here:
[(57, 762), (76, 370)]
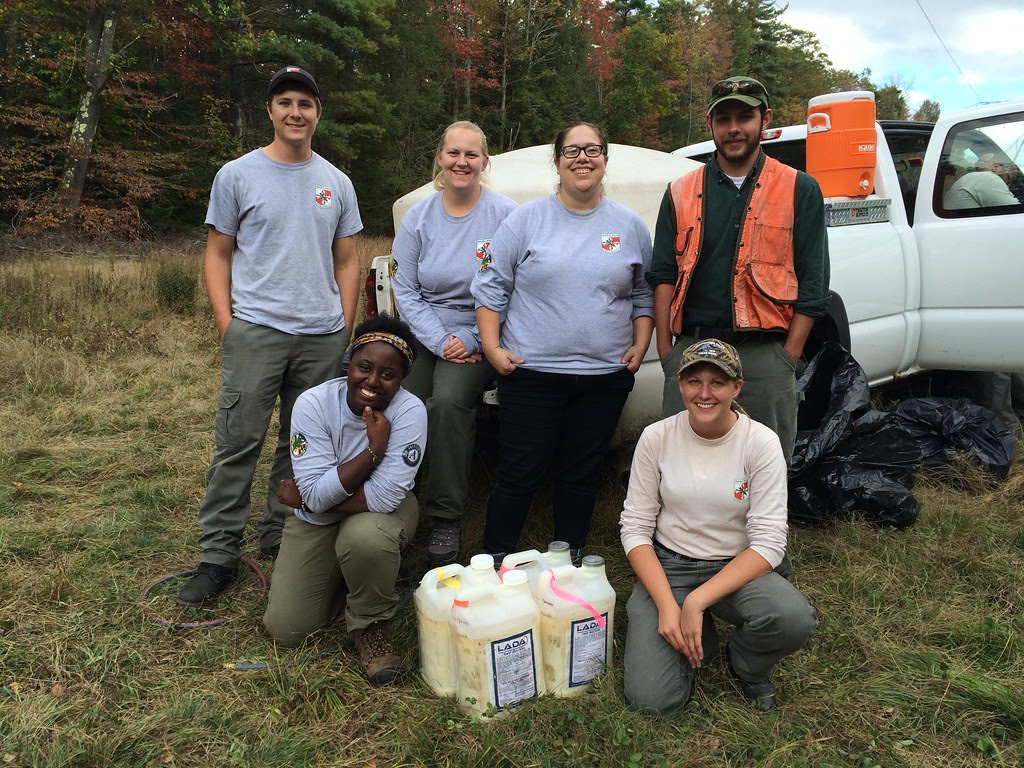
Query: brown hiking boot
[(381, 664)]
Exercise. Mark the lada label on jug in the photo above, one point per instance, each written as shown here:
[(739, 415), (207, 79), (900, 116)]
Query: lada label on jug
[(513, 668), (588, 643)]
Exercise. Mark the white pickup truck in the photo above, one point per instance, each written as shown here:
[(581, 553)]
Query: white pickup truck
[(918, 282)]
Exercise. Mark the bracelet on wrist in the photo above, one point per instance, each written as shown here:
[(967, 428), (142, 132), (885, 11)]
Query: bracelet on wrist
[(374, 458)]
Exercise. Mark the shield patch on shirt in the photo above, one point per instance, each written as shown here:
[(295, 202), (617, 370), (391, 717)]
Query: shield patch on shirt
[(741, 490), (323, 197), (610, 243), (299, 444), (483, 254)]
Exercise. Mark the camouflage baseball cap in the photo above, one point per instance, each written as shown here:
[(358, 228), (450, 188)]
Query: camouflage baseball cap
[(741, 88), (718, 353)]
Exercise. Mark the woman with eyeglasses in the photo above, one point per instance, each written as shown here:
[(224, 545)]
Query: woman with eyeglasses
[(565, 318), (439, 247)]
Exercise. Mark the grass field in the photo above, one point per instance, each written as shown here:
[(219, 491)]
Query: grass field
[(107, 399)]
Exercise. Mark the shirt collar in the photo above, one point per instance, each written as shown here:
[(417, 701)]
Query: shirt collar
[(722, 178)]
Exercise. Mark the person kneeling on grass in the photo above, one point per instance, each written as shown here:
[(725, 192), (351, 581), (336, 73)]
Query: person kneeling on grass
[(704, 527), (356, 444)]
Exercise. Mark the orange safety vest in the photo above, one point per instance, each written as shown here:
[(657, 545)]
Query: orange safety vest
[(764, 286)]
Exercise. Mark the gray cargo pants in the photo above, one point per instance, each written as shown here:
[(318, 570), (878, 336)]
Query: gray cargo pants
[(772, 619), (450, 392), (258, 365)]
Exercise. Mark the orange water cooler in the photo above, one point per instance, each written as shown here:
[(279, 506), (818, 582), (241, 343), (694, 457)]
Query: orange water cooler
[(841, 143)]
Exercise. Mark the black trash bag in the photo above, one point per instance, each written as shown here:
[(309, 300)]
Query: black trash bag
[(834, 392), (944, 427), (849, 460), (840, 489)]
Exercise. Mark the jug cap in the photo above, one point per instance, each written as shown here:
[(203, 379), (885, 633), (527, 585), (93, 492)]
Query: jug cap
[(515, 577), (481, 562)]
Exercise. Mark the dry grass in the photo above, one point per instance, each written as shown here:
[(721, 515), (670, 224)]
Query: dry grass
[(107, 403)]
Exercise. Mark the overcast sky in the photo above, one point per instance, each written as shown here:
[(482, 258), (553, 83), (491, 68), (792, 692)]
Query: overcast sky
[(894, 40)]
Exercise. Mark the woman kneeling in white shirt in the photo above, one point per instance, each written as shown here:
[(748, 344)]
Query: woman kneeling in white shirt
[(704, 527)]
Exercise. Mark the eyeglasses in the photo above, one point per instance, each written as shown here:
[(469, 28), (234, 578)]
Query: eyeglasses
[(732, 87), (591, 150)]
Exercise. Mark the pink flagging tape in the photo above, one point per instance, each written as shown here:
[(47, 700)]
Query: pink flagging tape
[(559, 592)]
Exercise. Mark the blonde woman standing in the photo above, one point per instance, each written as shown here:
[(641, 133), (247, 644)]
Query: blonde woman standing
[(441, 244)]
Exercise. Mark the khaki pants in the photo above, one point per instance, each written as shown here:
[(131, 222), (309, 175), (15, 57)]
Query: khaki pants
[(324, 568)]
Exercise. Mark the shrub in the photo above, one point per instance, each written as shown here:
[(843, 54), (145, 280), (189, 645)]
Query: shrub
[(176, 287)]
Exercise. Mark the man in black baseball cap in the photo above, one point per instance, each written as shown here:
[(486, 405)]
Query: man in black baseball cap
[(283, 280)]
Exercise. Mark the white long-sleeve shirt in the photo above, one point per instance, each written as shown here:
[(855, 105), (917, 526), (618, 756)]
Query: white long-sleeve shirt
[(707, 499), (326, 433)]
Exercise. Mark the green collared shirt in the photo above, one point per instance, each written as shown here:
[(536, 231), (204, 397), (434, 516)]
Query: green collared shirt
[(709, 297)]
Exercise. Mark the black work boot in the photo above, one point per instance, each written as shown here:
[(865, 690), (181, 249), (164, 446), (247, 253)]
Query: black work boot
[(760, 695), (206, 584), (443, 547)]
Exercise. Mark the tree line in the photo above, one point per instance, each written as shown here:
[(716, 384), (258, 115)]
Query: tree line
[(117, 113)]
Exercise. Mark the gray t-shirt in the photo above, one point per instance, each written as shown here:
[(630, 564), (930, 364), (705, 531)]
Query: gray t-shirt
[(285, 218), (978, 189), (437, 255), (570, 284), (325, 433)]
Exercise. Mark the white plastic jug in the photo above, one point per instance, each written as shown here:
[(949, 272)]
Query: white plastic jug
[(496, 632), (534, 562), (480, 571), (577, 608), (433, 599)]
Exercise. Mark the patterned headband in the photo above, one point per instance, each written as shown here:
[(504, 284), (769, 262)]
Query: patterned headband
[(388, 338)]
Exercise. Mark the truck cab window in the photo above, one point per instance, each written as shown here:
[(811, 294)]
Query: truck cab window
[(907, 143), (980, 169)]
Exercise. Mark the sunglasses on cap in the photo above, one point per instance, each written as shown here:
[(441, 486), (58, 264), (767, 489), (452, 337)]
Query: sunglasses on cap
[(733, 87)]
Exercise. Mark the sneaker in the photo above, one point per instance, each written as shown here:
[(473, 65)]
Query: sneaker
[(760, 695), (381, 664), (443, 547), (577, 556), (206, 583), (270, 553)]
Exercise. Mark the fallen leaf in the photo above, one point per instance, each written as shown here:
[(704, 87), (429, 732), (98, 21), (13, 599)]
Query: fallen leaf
[(57, 689)]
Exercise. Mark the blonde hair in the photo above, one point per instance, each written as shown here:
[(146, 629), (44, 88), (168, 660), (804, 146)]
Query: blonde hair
[(466, 125)]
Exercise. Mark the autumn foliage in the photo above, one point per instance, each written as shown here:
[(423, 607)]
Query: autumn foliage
[(117, 113)]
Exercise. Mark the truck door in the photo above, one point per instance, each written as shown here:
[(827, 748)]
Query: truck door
[(969, 225)]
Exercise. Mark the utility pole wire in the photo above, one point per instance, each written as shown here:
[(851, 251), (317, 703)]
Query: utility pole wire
[(948, 52)]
